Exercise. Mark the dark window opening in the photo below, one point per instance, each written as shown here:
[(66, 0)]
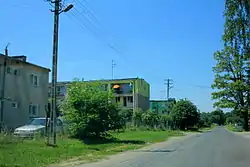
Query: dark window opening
[(117, 99), (130, 99), (124, 101)]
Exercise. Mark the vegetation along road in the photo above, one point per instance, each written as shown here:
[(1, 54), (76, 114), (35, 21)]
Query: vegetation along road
[(217, 148)]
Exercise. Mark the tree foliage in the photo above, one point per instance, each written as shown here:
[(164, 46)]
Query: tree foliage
[(185, 114), (232, 68), (205, 119), (89, 110), (218, 117)]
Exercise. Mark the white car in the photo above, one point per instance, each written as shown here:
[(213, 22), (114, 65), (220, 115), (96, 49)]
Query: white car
[(36, 126)]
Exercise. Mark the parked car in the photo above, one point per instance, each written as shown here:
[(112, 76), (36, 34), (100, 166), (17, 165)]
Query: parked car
[(36, 126)]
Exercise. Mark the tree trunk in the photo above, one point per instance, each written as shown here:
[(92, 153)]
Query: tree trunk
[(246, 126)]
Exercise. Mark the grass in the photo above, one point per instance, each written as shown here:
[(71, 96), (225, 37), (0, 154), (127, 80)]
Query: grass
[(34, 153), (233, 128)]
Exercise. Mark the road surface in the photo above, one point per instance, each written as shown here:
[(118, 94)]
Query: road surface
[(218, 148)]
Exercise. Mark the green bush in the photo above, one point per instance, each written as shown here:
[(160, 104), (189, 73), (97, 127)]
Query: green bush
[(89, 110)]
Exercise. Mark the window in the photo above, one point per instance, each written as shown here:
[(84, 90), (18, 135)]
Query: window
[(16, 71), (117, 99), (124, 101), (9, 70), (13, 71), (37, 121), (14, 105), (60, 90), (34, 80), (33, 109), (130, 99)]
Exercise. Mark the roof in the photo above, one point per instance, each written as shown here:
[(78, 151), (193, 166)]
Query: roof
[(100, 80), (15, 58), (158, 100)]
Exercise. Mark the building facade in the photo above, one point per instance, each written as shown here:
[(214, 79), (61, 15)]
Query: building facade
[(130, 93), (24, 90), (158, 106)]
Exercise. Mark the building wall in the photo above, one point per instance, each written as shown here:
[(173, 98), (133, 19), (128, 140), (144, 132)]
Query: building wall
[(23, 97), (125, 97), (142, 94), (158, 106)]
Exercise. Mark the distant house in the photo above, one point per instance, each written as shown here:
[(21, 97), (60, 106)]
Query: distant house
[(25, 90), (158, 106), (130, 93), (162, 106)]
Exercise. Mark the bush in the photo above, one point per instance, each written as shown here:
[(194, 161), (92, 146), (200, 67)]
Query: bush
[(89, 110)]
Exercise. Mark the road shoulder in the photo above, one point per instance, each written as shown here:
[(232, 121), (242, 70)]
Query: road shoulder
[(123, 156)]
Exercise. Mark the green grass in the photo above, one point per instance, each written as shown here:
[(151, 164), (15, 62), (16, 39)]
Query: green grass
[(233, 128), (34, 153)]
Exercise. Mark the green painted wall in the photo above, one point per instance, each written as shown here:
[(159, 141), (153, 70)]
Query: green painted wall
[(158, 106), (142, 87)]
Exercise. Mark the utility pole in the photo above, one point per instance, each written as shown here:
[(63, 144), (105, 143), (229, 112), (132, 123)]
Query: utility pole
[(3, 87), (168, 85), (113, 67), (57, 11)]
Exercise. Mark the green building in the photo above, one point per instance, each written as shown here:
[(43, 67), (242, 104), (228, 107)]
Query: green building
[(158, 106), (130, 93)]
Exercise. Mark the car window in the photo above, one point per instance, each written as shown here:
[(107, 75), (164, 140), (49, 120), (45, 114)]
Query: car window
[(35, 121)]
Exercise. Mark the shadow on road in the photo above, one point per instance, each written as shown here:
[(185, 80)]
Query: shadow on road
[(156, 150), (94, 140)]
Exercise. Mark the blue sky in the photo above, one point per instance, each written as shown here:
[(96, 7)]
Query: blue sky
[(156, 39)]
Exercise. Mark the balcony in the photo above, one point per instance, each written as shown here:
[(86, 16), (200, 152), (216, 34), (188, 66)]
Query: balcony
[(122, 89)]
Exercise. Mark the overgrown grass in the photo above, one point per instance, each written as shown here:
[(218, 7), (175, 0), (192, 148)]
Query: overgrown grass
[(234, 128), (35, 153)]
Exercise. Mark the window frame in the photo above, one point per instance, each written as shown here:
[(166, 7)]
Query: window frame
[(15, 104), (32, 81)]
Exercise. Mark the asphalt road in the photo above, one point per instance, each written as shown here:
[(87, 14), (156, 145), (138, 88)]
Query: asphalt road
[(218, 148)]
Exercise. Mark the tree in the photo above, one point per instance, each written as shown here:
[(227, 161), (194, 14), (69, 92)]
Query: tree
[(185, 114), (137, 117), (169, 105), (218, 117), (89, 110), (205, 119), (150, 119), (232, 70), (166, 121)]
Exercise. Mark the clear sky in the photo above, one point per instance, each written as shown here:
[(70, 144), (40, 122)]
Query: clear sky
[(156, 39)]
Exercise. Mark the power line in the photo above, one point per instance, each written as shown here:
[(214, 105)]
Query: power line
[(86, 23)]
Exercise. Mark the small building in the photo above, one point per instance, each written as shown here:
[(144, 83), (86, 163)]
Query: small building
[(158, 106), (23, 90), (125, 91)]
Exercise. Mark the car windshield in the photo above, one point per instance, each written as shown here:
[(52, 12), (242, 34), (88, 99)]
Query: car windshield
[(37, 122)]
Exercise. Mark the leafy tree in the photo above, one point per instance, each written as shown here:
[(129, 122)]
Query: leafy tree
[(218, 117), (150, 119), (232, 70), (205, 119), (137, 117), (89, 110), (169, 105), (185, 114), (127, 114), (166, 121)]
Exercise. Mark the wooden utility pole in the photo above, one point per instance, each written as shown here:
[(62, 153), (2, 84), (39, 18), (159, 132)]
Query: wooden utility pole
[(168, 83), (57, 10)]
